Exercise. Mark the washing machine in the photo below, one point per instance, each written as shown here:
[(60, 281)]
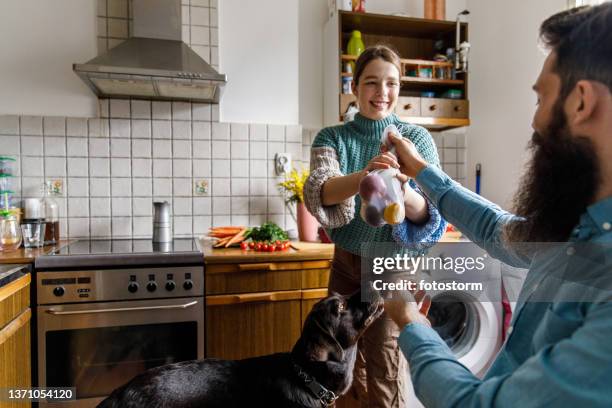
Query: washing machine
[(469, 321)]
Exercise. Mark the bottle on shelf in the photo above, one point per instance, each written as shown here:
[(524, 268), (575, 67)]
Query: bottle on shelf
[(50, 211), (355, 46)]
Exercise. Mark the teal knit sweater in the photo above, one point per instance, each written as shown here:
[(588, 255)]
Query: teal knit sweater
[(344, 149)]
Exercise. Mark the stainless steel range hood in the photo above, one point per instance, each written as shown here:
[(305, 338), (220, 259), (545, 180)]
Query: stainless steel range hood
[(155, 64)]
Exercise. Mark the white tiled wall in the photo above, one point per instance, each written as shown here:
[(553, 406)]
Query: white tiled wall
[(115, 166)]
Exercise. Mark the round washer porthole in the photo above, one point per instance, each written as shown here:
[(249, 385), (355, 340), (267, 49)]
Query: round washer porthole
[(455, 318)]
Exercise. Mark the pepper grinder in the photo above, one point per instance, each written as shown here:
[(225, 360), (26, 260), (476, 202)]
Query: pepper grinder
[(161, 222)]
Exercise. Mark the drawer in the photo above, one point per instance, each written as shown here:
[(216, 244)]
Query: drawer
[(265, 276), (14, 299), (408, 106), (460, 108), (436, 108)]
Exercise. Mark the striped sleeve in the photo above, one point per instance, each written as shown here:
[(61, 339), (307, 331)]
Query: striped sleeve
[(323, 166)]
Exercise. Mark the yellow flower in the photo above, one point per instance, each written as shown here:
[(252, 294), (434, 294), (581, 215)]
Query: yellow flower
[(293, 186)]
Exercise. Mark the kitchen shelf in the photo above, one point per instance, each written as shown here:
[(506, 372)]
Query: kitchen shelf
[(416, 41), (431, 81), (438, 124)]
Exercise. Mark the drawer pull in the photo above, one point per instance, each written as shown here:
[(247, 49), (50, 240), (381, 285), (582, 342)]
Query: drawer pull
[(432, 107), (408, 106), (252, 297), (457, 108), (256, 267)]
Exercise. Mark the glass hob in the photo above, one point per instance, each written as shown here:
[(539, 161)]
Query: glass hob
[(117, 253), (127, 246)]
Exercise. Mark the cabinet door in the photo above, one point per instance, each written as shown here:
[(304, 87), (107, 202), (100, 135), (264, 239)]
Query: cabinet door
[(309, 298), (253, 324), (15, 356)]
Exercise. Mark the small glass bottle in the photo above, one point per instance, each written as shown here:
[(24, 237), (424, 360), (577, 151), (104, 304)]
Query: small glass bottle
[(10, 233), (50, 210)]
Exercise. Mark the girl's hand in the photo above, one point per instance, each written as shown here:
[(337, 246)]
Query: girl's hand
[(383, 161)]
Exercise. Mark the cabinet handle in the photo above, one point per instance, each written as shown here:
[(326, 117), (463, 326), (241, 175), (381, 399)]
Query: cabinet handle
[(256, 267), (457, 108), (252, 297), (432, 107), (408, 106)]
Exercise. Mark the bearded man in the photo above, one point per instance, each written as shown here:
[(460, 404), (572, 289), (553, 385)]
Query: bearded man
[(559, 350)]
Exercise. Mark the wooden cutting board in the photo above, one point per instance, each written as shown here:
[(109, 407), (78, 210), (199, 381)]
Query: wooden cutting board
[(310, 246)]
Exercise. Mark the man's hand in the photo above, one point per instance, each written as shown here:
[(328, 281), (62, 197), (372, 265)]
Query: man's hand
[(411, 162), (404, 308)]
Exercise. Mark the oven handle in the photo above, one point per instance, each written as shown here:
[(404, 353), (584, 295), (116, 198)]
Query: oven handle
[(125, 309)]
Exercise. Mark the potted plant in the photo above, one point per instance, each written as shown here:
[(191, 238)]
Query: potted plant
[(293, 190)]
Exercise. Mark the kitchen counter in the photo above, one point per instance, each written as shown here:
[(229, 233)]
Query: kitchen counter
[(306, 251), (11, 272), (27, 255)]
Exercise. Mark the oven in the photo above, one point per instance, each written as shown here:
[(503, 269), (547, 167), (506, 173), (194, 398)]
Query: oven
[(97, 328)]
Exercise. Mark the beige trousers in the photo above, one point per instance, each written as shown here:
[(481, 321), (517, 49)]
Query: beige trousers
[(380, 373)]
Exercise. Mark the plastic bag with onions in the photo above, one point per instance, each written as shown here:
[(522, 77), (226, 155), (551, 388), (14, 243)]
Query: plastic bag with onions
[(381, 192)]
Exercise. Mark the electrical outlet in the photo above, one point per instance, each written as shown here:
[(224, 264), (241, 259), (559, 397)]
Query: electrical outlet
[(282, 163)]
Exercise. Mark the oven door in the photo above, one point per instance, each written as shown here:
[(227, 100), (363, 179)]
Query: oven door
[(97, 347)]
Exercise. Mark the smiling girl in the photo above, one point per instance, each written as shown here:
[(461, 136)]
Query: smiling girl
[(340, 157)]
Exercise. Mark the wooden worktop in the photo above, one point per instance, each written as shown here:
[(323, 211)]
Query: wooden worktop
[(307, 251), (27, 255)]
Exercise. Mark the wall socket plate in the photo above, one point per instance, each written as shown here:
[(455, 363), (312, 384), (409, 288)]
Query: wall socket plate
[(282, 163)]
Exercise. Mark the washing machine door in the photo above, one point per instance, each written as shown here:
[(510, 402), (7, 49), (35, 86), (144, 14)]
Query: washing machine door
[(471, 328)]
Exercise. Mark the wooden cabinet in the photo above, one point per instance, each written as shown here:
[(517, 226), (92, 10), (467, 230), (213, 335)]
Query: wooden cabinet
[(257, 307), (15, 353), (417, 41)]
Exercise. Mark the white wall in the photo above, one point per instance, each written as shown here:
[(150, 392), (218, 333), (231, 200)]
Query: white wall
[(39, 41), (258, 50), (505, 62)]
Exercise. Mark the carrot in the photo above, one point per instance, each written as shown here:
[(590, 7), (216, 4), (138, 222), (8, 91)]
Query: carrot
[(239, 237), (224, 229), (221, 242), (221, 234)]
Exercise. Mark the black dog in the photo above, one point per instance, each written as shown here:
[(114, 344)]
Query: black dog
[(313, 374)]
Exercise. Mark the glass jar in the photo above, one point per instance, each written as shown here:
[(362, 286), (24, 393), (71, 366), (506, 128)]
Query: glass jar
[(10, 233), (50, 212)]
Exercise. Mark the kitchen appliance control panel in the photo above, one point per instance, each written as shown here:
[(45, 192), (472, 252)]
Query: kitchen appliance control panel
[(119, 284)]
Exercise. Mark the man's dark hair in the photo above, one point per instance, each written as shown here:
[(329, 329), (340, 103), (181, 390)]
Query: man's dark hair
[(582, 40)]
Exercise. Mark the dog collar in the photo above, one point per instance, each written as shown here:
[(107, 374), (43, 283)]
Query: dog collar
[(324, 395)]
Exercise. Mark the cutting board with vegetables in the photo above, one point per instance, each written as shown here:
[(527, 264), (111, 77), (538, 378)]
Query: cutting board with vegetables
[(267, 237)]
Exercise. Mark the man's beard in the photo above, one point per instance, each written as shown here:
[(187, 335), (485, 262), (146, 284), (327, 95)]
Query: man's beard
[(560, 182)]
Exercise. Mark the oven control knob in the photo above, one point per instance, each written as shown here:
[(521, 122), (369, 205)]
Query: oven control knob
[(152, 286), (188, 285), (59, 291), (170, 285), (133, 287)]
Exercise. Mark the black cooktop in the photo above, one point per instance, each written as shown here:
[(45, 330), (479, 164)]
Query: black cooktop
[(127, 246), (117, 253)]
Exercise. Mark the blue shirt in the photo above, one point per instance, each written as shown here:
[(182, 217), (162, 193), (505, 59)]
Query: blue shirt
[(559, 352)]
